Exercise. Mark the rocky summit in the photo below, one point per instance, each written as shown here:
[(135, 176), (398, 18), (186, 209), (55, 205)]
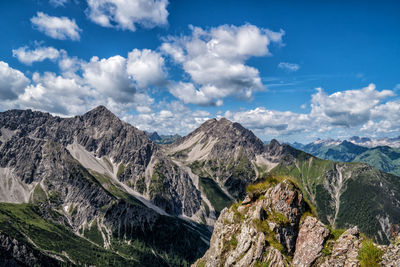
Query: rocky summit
[(274, 226)]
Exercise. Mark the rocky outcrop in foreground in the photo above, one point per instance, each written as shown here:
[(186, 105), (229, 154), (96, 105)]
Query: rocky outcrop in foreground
[(274, 226)]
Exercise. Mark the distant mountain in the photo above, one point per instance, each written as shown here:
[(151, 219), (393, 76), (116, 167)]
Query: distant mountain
[(371, 142), (384, 158), (163, 139)]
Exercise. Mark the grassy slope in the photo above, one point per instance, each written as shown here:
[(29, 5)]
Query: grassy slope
[(21, 220), (383, 158)]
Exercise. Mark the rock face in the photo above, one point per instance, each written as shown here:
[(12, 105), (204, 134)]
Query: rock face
[(262, 230), (391, 258), (309, 243), (95, 169), (126, 151), (224, 150), (345, 249)]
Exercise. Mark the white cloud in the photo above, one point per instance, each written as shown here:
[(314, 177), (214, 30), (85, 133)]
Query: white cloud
[(269, 122), (12, 82), (384, 118), (189, 94), (56, 27), (109, 77), (56, 94), (82, 85), (146, 67), (215, 60), (58, 3), (347, 108), (172, 118), (289, 66), (127, 14), (27, 56), (352, 110)]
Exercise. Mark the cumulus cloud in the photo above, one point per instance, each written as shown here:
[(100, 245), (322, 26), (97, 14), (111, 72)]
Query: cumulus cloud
[(120, 83), (384, 118), (56, 94), (109, 77), (347, 108), (12, 82), (172, 118), (352, 110), (188, 93), (289, 66), (146, 67), (215, 60), (28, 56), (56, 27), (269, 122), (127, 14)]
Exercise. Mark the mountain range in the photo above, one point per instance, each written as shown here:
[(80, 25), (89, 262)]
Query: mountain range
[(360, 141), (111, 195), (163, 139), (384, 158)]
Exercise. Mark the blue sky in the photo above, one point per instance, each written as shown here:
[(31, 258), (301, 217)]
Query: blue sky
[(291, 70)]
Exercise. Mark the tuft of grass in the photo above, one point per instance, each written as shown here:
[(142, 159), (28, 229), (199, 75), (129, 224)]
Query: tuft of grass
[(201, 263), (279, 218), (157, 181), (336, 233), (39, 196), (121, 169), (263, 226), (233, 242), (262, 264), (369, 254)]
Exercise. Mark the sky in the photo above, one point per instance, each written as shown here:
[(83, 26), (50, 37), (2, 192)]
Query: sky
[(290, 70)]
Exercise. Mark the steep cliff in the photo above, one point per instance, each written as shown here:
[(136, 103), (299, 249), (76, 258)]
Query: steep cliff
[(274, 226)]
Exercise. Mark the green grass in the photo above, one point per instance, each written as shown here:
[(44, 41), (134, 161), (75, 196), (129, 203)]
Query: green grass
[(92, 233), (369, 254), (336, 233), (279, 218), (201, 263), (140, 185), (262, 226), (214, 193), (121, 169), (156, 186), (39, 196), (21, 220), (107, 183)]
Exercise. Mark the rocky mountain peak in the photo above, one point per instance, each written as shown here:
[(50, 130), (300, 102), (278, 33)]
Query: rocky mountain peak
[(100, 113), (272, 225)]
